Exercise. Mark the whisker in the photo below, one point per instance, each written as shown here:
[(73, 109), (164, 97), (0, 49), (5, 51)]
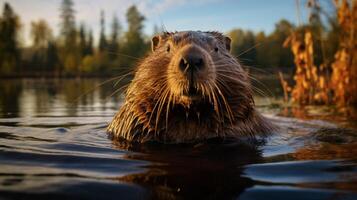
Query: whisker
[(249, 49), (167, 110), (163, 100), (109, 51), (230, 113), (260, 83), (216, 104), (122, 77), (116, 91), (156, 104), (94, 88), (258, 69)]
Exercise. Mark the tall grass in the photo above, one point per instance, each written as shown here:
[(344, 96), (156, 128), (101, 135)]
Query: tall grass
[(315, 84), (344, 68)]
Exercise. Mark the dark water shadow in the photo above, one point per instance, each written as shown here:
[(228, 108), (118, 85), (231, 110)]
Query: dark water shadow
[(211, 170), (228, 169)]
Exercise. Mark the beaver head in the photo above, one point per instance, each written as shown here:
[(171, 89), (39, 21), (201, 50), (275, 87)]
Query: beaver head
[(188, 88)]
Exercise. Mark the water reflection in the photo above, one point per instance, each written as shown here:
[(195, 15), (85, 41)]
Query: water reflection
[(79, 97), (55, 97), (10, 92), (346, 117), (53, 144), (205, 171), (231, 170)]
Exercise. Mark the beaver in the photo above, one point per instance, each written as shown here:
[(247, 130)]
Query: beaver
[(189, 88)]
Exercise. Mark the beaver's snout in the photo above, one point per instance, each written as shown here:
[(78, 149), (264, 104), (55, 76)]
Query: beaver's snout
[(191, 61)]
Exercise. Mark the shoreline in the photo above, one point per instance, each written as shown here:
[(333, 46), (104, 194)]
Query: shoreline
[(47, 76), (268, 74)]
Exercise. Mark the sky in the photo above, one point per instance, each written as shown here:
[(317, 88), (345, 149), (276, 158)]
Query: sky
[(173, 15)]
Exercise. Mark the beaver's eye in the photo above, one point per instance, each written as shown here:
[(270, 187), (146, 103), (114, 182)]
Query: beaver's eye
[(216, 49), (168, 48)]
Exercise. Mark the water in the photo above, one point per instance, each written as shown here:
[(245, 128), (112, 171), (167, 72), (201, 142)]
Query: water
[(53, 145)]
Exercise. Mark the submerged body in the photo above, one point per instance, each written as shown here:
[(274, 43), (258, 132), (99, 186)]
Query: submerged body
[(190, 88)]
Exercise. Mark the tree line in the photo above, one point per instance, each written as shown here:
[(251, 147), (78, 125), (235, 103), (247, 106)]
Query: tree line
[(73, 51)]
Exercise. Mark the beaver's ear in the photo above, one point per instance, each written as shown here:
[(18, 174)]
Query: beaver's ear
[(155, 41), (227, 41)]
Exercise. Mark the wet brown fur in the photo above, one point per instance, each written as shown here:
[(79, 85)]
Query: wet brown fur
[(156, 109)]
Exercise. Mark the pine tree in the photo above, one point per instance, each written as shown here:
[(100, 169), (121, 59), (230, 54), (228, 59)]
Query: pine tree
[(70, 57), (135, 45), (89, 45), (52, 61), (82, 40), (68, 24), (114, 38), (9, 47), (102, 38)]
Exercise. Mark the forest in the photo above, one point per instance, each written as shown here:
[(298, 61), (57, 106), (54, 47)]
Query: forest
[(73, 51), (319, 54)]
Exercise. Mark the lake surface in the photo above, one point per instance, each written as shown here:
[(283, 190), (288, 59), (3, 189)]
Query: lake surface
[(53, 145)]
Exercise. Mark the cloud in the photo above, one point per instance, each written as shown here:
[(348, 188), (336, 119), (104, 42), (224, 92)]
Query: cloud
[(153, 8)]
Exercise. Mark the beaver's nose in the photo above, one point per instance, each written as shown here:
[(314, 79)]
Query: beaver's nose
[(191, 63)]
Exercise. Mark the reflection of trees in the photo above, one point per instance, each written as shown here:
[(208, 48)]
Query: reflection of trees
[(85, 92), (56, 95), (10, 92), (207, 171), (75, 93), (344, 116), (333, 143), (9, 45), (298, 112), (43, 95), (326, 152)]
